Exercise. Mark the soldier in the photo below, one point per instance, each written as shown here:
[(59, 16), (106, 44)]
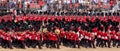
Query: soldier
[(86, 39), (118, 40), (28, 38), (98, 39), (113, 39), (72, 39), (45, 38), (20, 38), (38, 39), (76, 40), (32, 39), (106, 40), (6, 41), (81, 33), (62, 36), (68, 39), (55, 39), (91, 40)]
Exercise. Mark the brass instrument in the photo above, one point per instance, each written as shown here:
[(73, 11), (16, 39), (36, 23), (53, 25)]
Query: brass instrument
[(57, 31)]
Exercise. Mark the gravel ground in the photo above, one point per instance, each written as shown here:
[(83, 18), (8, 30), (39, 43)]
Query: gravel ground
[(62, 49)]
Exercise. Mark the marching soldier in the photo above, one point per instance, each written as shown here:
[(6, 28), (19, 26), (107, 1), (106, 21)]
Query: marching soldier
[(113, 39), (20, 38), (57, 38), (118, 40), (6, 41), (76, 40), (91, 40), (32, 41), (38, 39), (98, 39), (45, 37), (62, 36), (106, 41)]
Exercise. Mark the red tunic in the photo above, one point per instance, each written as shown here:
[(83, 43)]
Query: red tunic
[(32, 37), (44, 36), (50, 36), (118, 37), (37, 37), (94, 29), (62, 34), (7, 37), (106, 36), (72, 37), (113, 33), (76, 38), (68, 36), (99, 34), (86, 36), (20, 38), (55, 37)]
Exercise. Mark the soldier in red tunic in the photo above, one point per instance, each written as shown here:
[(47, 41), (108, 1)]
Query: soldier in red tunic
[(45, 37), (6, 41), (85, 39), (38, 38), (54, 39), (91, 40), (21, 39), (98, 39), (106, 41), (76, 40), (32, 39), (118, 40), (72, 40), (113, 39), (28, 38), (68, 38), (62, 36)]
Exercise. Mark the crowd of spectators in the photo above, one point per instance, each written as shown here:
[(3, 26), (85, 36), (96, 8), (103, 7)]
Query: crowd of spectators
[(60, 5)]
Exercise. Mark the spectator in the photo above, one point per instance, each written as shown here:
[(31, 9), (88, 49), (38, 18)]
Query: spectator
[(57, 5)]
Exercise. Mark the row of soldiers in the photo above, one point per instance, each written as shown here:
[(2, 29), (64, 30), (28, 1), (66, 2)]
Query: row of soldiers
[(38, 22), (71, 31), (29, 39), (58, 37)]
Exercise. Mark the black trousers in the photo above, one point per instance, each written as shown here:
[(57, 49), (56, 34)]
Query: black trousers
[(28, 42), (54, 44), (47, 42), (105, 43), (76, 43), (36, 43), (62, 41), (118, 43), (65, 43), (18, 43), (84, 42), (21, 44), (91, 43), (98, 42), (68, 43), (6, 44), (114, 42)]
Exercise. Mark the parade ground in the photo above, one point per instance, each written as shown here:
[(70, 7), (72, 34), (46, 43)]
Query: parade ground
[(63, 49)]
